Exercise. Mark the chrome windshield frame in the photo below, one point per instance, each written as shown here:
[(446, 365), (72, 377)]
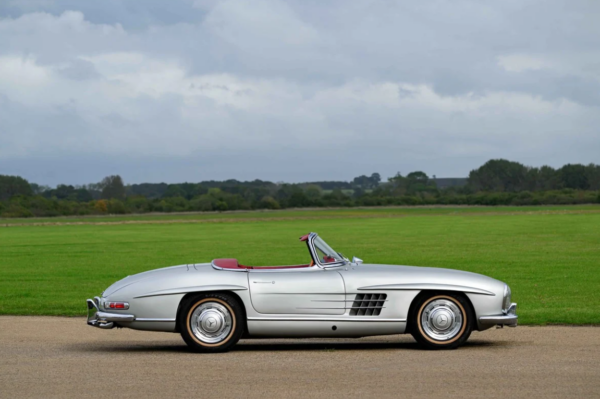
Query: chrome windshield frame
[(313, 254)]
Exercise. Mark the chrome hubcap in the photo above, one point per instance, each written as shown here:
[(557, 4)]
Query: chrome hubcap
[(211, 322), (441, 319)]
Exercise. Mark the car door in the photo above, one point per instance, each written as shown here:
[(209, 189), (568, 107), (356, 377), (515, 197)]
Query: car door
[(306, 291)]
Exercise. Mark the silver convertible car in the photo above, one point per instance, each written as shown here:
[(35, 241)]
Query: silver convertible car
[(213, 305)]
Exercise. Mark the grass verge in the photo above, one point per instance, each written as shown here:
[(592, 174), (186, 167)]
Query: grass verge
[(550, 256)]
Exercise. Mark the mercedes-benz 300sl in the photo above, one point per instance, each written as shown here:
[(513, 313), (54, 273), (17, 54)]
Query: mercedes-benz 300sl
[(213, 305)]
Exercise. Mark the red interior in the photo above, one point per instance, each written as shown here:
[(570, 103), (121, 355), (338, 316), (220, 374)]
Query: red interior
[(233, 264)]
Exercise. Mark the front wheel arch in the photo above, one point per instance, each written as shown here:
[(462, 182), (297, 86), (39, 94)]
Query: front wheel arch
[(425, 294), (429, 293)]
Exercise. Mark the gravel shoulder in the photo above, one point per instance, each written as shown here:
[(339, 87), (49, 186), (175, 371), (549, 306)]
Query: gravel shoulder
[(58, 357)]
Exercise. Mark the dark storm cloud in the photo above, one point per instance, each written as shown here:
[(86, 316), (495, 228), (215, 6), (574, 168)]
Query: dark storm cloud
[(293, 90)]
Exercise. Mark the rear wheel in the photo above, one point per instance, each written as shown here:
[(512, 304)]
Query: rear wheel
[(211, 322), (441, 321)]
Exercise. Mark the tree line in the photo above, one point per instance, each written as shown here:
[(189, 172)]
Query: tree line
[(497, 182)]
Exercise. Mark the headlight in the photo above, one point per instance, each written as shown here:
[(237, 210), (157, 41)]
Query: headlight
[(506, 299)]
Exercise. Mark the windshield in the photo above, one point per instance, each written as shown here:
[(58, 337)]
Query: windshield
[(325, 253)]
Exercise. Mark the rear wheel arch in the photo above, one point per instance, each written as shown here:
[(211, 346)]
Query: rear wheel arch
[(187, 296), (211, 321)]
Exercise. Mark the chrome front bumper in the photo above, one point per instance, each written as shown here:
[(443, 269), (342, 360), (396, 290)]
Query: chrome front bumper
[(508, 318), (101, 319)]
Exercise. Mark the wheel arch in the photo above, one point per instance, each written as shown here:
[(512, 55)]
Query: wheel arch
[(195, 293), (429, 293)]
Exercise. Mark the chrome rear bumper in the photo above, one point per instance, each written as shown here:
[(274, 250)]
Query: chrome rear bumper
[(509, 318), (100, 319)]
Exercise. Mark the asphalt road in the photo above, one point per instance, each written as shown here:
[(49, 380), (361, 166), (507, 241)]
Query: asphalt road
[(55, 357)]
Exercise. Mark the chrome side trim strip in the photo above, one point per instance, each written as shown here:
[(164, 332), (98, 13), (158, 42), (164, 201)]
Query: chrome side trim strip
[(351, 307), (438, 287), (346, 300), (185, 290), (155, 320), (369, 319), (229, 270)]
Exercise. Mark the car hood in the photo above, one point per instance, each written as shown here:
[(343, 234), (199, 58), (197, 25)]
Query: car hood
[(420, 270), (370, 275)]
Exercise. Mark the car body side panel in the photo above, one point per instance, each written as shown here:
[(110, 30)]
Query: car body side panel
[(315, 292)]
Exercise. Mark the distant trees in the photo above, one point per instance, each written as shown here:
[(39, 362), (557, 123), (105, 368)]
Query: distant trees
[(593, 174), (574, 176), (185, 190), (367, 182), (147, 190), (13, 185), (313, 192), (292, 196), (413, 183), (112, 187), (268, 202), (497, 182), (546, 179), (501, 175), (332, 185), (38, 189), (71, 193)]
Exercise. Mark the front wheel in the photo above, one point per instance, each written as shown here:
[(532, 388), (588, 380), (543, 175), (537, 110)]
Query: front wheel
[(211, 322), (441, 321)]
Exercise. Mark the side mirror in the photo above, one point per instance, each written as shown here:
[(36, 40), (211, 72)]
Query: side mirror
[(356, 260)]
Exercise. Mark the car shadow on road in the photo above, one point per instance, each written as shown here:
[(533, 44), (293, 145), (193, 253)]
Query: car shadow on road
[(108, 347), (250, 346), (279, 346), (322, 346)]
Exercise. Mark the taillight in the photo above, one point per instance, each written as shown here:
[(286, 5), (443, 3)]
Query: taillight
[(117, 305)]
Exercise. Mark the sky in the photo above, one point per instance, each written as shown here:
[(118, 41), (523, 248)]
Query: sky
[(301, 90)]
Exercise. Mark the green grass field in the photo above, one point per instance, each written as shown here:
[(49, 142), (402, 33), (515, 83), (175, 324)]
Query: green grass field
[(550, 256)]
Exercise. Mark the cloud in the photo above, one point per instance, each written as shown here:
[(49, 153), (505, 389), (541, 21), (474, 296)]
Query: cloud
[(291, 90), (522, 62)]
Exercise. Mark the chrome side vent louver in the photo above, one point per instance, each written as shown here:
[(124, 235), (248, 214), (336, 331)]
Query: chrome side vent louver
[(368, 304)]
